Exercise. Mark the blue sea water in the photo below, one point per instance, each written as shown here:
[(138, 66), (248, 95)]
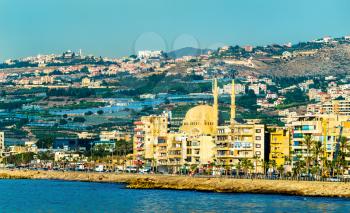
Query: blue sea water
[(64, 197)]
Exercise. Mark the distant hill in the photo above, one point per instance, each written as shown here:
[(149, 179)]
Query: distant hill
[(331, 60), (187, 51)]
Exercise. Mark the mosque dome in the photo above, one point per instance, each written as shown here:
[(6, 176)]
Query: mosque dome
[(199, 120)]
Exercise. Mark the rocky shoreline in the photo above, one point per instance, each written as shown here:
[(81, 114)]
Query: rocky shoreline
[(212, 184)]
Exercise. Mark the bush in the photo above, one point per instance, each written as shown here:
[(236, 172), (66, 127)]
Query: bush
[(88, 113), (79, 119), (63, 122)]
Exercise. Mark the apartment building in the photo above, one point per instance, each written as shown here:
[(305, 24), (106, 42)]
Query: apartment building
[(279, 145), (240, 141), (150, 133), (325, 129), (338, 107)]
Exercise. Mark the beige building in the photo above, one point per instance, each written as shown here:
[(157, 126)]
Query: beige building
[(338, 107), (150, 132), (326, 129)]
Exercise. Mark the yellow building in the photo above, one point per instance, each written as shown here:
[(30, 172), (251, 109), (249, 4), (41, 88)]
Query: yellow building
[(279, 145)]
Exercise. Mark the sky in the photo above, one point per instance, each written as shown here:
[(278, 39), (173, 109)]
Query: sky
[(116, 28)]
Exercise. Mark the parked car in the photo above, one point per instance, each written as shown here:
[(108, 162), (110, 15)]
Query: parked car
[(99, 168), (131, 169), (146, 169)]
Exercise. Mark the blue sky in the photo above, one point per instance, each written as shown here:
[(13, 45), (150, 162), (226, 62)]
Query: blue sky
[(121, 27)]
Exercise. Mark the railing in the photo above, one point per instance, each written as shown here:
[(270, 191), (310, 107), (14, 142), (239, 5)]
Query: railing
[(229, 176)]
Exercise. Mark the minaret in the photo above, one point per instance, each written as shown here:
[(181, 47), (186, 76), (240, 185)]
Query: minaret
[(216, 105), (233, 103)]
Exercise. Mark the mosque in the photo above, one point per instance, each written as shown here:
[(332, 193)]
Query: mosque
[(200, 141), (203, 119)]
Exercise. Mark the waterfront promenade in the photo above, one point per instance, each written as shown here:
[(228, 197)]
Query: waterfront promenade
[(211, 184)]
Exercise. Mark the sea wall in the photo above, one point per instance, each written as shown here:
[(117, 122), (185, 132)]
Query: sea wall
[(135, 181)]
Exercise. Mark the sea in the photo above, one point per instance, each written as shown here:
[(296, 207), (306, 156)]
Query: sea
[(41, 196)]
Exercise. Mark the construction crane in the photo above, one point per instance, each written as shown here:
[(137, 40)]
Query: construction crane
[(325, 172)]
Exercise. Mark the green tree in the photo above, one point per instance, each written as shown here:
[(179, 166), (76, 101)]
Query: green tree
[(247, 165), (46, 142), (298, 167), (308, 142), (280, 170), (63, 122), (295, 96), (316, 149), (88, 113), (79, 119)]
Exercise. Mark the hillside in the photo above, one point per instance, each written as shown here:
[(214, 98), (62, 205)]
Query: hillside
[(330, 60), (299, 60), (187, 51)]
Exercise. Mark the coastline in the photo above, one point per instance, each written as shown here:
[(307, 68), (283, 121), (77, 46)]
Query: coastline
[(211, 184)]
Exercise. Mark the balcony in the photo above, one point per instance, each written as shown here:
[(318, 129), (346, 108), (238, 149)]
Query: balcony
[(224, 148), (193, 155), (244, 133), (175, 148), (242, 145), (175, 163), (225, 156), (164, 157), (175, 156), (162, 151)]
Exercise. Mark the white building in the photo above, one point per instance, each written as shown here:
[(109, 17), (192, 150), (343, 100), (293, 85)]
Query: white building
[(239, 89), (150, 54)]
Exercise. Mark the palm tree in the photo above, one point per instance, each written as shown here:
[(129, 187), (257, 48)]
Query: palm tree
[(265, 165), (256, 159), (308, 142), (317, 148), (280, 170), (247, 165), (342, 153), (287, 160), (238, 167), (273, 165), (154, 165), (298, 167)]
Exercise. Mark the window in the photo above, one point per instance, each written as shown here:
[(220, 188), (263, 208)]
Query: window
[(258, 153), (258, 130), (258, 138), (257, 145), (298, 135)]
